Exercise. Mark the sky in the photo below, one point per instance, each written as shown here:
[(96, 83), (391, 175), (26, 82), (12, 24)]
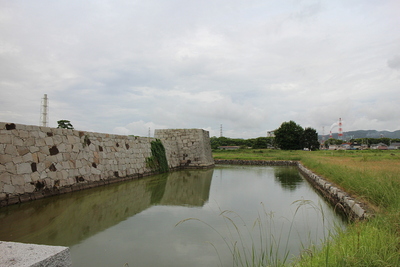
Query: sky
[(131, 66)]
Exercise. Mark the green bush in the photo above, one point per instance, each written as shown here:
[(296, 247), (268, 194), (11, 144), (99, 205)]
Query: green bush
[(158, 160)]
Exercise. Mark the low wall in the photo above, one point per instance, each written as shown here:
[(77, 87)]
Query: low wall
[(340, 199), (36, 162)]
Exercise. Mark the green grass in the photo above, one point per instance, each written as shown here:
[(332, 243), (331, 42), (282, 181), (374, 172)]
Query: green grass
[(372, 243), (372, 176), (257, 154)]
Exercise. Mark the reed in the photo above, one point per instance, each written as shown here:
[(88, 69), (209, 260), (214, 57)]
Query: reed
[(264, 242), (361, 244)]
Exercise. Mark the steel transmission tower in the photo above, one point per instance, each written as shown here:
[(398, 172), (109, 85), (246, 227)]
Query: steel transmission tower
[(44, 111)]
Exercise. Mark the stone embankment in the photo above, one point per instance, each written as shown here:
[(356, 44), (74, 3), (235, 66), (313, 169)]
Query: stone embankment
[(339, 198), (257, 162), (342, 200), (36, 162)]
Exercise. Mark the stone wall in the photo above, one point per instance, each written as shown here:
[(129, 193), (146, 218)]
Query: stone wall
[(40, 161), (188, 147)]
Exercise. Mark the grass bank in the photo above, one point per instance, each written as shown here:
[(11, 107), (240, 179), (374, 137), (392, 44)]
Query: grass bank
[(372, 176)]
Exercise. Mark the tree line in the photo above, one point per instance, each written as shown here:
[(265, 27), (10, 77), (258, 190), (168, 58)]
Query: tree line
[(257, 143), (289, 136)]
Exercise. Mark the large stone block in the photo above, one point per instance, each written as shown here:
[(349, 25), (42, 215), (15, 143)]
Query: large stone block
[(27, 157), (34, 149), (17, 160), (9, 189), (23, 168), (35, 176), (40, 142), (49, 141), (57, 139), (5, 178), (27, 178), (62, 148), (29, 188), (11, 150), (5, 139), (358, 210), (10, 167), (18, 180), (18, 254), (35, 157), (20, 126), (45, 129), (5, 158), (24, 134), (29, 142), (18, 141)]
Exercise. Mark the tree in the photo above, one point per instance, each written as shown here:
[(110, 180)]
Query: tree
[(289, 136), (262, 142), (65, 124), (214, 142), (310, 139)]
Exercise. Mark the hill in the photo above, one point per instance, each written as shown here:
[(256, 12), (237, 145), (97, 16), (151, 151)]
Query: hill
[(365, 134)]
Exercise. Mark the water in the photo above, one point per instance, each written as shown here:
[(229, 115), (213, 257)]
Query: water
[(135, 223)]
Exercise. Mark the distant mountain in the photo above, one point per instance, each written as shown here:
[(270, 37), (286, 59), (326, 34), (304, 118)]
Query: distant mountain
[(365, 134)]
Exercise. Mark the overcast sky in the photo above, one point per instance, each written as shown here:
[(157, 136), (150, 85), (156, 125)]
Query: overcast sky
[(124, 66)]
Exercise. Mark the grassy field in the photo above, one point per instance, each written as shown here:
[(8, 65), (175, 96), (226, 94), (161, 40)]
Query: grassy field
[(372, 176)]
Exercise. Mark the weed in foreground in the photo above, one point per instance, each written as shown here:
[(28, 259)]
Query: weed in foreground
[(266, 241)]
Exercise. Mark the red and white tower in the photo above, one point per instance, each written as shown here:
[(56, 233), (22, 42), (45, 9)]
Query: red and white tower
[(340, 133)]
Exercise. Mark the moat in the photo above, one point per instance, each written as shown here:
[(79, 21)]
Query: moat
[(135, 223)]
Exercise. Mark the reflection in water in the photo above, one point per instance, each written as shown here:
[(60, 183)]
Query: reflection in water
[(68, 219), (187, 188), (134, 222), (288, 177)]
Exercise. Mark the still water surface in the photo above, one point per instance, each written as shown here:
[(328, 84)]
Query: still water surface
[(135, 223)]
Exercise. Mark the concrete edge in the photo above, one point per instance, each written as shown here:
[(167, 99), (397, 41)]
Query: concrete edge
[(30, 255)]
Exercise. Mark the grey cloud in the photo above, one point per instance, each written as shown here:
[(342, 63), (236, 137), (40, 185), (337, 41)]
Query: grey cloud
[(249, 65), (394, 63), (308, 11)]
